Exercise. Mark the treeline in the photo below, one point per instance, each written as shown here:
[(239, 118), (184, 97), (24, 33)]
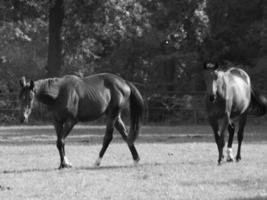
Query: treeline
[(41, 38)]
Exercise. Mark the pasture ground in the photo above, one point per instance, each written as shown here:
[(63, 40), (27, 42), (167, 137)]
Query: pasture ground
[(176, 163)]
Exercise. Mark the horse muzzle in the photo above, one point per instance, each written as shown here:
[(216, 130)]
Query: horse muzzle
[(24, 119), (212, 98)]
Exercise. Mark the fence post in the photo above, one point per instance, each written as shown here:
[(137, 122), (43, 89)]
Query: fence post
[(195, 116)]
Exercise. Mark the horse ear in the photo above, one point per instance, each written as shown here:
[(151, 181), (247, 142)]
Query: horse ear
[(207, 66), (31, 85), (216, 66), (210, 66), (22, 82)]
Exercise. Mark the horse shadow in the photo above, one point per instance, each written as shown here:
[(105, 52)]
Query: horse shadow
[(107, 167), (113, 167), (251, 198), (22, 171)]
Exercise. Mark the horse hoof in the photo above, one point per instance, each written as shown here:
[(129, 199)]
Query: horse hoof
[(65, 166), (97, 162), (96, 165), (219, 162), (136, 161), (229, 160), (238, 159)]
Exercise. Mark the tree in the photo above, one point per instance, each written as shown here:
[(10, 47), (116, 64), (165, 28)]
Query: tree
[(235, 30), (56, 16), (23, 43)]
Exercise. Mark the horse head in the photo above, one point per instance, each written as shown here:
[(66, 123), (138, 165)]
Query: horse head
[(26, 97), (211, 80)]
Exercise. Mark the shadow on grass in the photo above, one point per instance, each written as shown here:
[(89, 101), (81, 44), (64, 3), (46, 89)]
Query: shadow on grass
[(112, 167), (96, 140), (109, 167), (251, 198), (27, 171), (244, 183)]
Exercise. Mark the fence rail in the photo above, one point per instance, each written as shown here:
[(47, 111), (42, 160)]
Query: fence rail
[(170, 108)]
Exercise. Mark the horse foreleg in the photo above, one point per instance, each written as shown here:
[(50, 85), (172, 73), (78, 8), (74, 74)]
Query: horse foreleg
[(123, 131), (231, 130), (107, 139), (219, 135), (59, 128), (222, 137), (62, 132), (215, 127), (242, 123)]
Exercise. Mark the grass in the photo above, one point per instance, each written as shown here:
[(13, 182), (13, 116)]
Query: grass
[(181, 167)]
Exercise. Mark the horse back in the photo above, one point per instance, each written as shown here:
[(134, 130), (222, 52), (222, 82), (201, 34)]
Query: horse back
[(97, 94), (238, 90), (236, 72), (116, 85)]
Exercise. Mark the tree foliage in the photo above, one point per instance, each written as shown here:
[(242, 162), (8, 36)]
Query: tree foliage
[(127, 37)]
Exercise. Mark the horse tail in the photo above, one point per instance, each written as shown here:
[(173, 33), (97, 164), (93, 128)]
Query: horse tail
[(258, 103), (136, 112)]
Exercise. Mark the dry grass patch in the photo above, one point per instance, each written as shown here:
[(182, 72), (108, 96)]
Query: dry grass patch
[(166, 171)]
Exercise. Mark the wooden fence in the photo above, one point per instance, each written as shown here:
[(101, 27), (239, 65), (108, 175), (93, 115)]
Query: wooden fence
[(165, 108), (162, 108)]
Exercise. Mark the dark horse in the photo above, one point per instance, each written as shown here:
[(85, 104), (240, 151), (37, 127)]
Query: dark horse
[(230, 98), (72, 99)]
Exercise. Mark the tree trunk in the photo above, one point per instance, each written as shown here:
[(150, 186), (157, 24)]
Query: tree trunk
[(56, 16)]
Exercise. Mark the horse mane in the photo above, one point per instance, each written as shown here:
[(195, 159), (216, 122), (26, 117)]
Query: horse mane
[(47, 90)]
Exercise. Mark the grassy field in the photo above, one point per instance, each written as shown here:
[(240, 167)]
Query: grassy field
[(176, 163)]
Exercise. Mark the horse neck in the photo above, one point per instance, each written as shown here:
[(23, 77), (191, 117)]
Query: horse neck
[(44, 92), (38, 86), (221, 83)]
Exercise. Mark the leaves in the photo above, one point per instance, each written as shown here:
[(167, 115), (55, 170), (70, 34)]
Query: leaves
[(126, 36)]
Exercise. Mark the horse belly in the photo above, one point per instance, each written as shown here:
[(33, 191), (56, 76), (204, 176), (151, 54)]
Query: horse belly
[(92, 108), (92, 111)]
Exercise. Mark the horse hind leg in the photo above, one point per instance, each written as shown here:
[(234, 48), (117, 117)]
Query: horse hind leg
[(242, 123), (231, 130), (123, 131), (106, 140), (60, 142)]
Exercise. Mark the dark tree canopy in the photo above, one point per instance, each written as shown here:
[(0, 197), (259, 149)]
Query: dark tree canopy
[(55, 37)]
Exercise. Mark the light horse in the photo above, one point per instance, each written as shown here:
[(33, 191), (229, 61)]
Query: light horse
[(72, 99), (230, 98)]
